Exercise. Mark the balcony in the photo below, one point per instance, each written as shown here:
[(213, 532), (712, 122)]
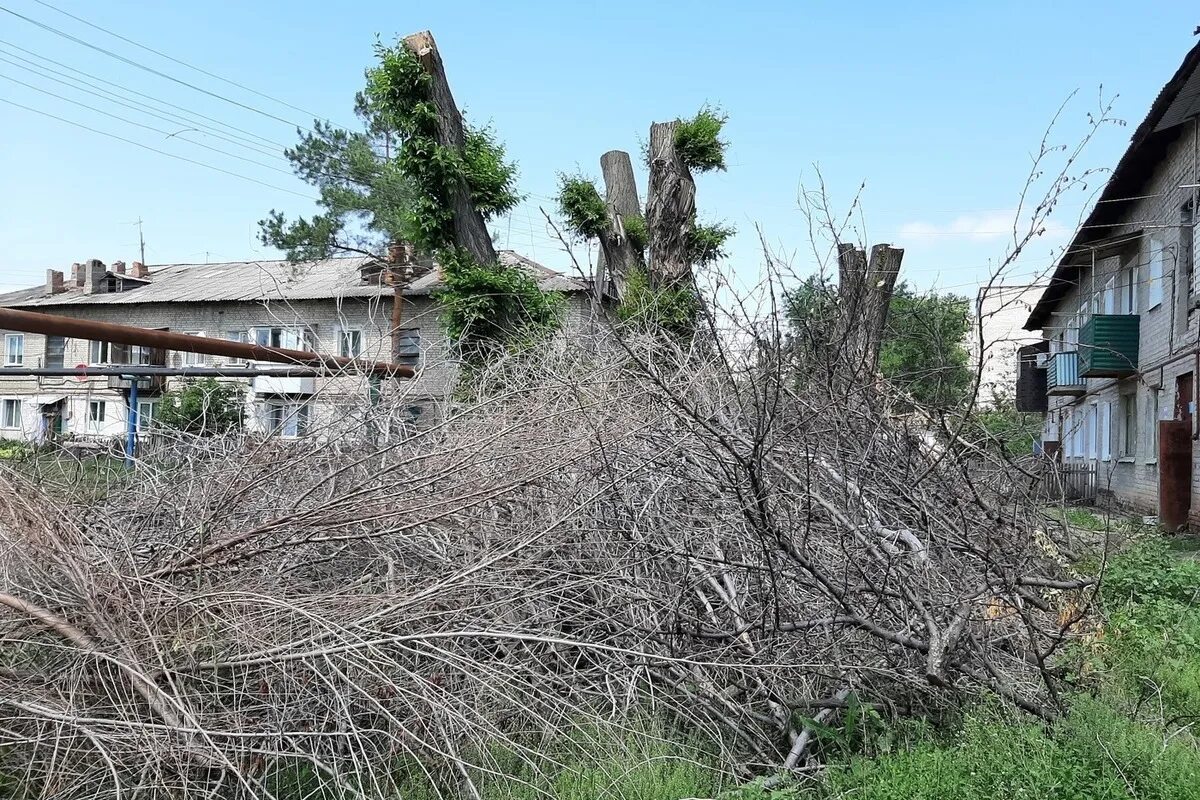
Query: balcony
[(277, 384), (1062, 375), (1108, 346)]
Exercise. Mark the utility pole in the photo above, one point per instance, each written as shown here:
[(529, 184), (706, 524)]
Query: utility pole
[(141, 242)]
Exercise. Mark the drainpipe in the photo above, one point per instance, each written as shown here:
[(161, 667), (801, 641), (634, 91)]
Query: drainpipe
[(132, 417)]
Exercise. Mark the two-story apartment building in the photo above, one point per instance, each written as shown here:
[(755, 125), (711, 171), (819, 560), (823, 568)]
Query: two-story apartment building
[(339, 306), (1120, 314)]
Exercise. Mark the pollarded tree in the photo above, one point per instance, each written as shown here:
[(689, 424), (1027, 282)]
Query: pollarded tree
[(648, 254)]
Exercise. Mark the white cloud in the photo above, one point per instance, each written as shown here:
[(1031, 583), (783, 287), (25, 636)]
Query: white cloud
[(979, 227)]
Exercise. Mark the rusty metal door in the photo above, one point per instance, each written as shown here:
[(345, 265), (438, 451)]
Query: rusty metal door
[(1175, 458)]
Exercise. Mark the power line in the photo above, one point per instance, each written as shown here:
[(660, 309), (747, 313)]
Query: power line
[(156, 150), (151, 70), (125, 89), (161, 54), (128, 121), (141, 109)]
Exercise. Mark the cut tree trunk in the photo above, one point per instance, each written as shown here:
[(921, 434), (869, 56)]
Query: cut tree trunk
[(470, 230), (670, 209), (618, 255), (865, 289)]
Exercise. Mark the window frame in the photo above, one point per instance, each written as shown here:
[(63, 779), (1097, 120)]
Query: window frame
[(142, 425), (1154, 281), (288, 410), (95, 421), (1128, 439), (342, 349), (189, 359), (241, 336), (16, 404), (19, 338)]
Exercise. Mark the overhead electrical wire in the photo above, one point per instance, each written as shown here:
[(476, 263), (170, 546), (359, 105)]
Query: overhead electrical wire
[(141, 109), (3, 44), (181, 62), (155, 150), (126, 120), (151, 70)]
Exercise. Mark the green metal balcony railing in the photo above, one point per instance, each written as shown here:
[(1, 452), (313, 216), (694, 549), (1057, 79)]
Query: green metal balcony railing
[(1062, 374), (1108, 346)]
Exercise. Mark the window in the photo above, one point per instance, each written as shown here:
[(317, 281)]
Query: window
[(97, 413), (1155, 413), (287, 338), (1110, 295), (1106, 431), (10, 414), (408, 350), (1128, 447), (1091, 432), (1154, 280), (14, 349), (285, 419), (1129, 290), (145, 414), (349, 343), (190, 359), (242, 337), (113, 353), (56, 348)]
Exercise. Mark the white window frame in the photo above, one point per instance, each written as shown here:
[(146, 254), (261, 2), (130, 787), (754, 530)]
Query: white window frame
[(1154, 278), (145, 420), (102, 354), (1110, 295), (190, 359), (241, 336), (1129, 290), (343, 341), (287, 337), (14, 349), (1128, 426), (1105, 427), (6, 404), (1091, 432), (96, 421), (293, 414)]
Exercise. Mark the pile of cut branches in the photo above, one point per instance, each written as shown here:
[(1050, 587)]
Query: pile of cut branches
[(618, 530)]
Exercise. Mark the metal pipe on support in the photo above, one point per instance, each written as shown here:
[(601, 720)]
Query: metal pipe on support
[(53, 325), (149, 371)]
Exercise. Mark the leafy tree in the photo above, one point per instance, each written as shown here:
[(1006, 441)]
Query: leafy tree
[(923, 351), (203, 407), (394, 181)]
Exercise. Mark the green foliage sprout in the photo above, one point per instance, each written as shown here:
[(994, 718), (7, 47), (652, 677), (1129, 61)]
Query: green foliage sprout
[(706, 243), (583, 209), (698, 140), (672, 309), (635, 230), (487, 307)]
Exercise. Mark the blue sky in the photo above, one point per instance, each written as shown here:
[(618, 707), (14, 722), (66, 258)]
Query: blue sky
[(936, 106)]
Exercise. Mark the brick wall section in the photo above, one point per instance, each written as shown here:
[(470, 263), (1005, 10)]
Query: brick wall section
[(324, 318), (1168, 332)]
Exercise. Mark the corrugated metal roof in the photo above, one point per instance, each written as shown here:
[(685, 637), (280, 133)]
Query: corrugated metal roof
[(1147, 147), (259, 281), (1185, 105)]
